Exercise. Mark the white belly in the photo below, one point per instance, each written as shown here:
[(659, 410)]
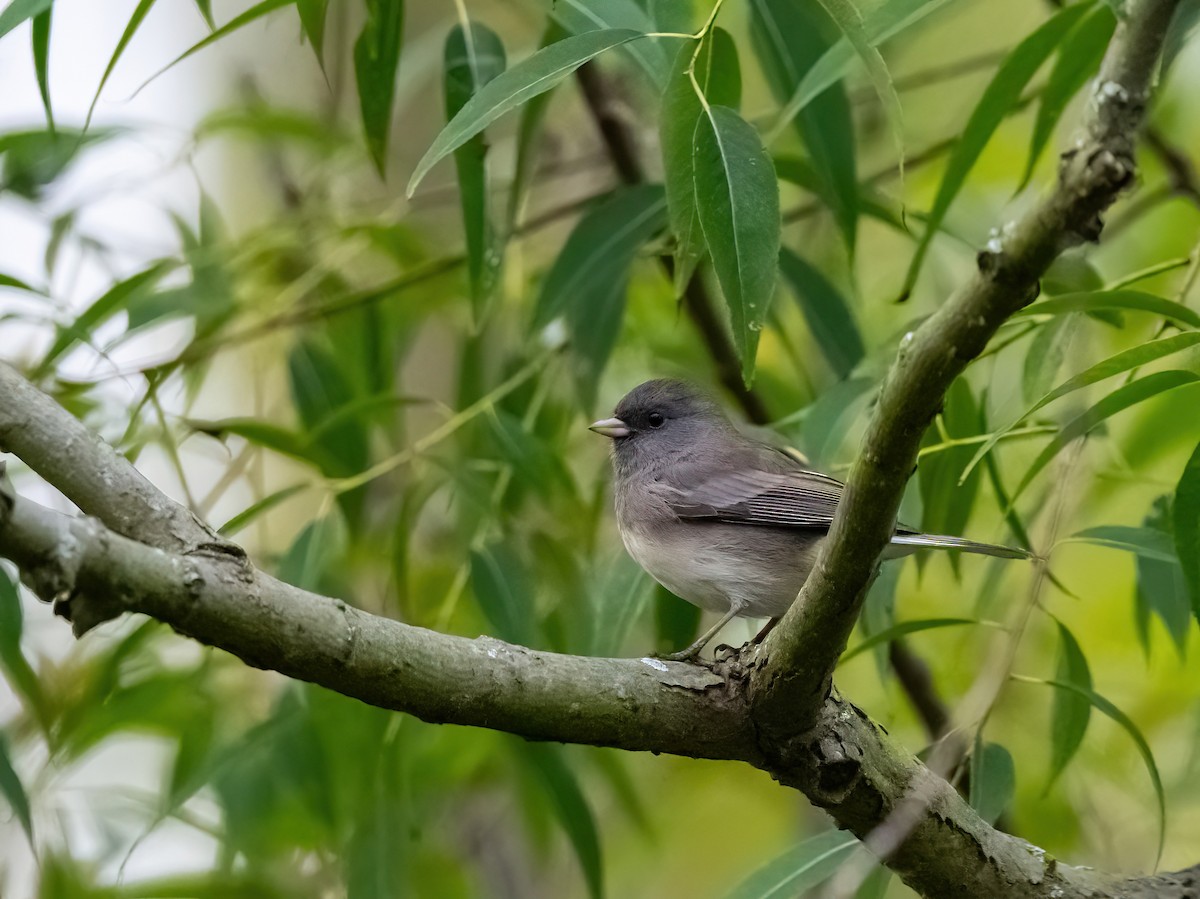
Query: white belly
[(732, 568)]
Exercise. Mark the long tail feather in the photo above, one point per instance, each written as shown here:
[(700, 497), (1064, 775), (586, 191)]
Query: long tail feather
[(937, 541)]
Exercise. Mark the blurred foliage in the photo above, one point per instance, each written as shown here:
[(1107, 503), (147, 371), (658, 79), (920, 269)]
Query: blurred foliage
[(384, 397)]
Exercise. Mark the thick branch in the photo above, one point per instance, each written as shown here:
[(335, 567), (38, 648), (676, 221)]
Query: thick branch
[(800, 654), (848, 766), (629, 703), (53, 443)]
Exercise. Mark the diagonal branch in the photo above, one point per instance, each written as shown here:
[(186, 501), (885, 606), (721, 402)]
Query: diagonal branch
[(797, 661)]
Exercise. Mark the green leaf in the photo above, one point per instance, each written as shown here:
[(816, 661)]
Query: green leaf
[(312, 23), (14, 791), (1103, 300), (1146, 543), (737, 200), (19, 11), (1071, 712), (885, 22), (1181, 30), (470, 63), (1161, 587), (502, 589), (676, 622), (621, 594), (548, 765), (114, 300), (376, 58), (41, 60), (800, 869), (10, 281), (1106, 708), (902, 629), (1119, 400), (993, 780), (524, 81), (251, 512), (1045, 357), (205, 8), (312, 556), (828, 314), (1078, 59), (253, 14), (135, 21), (34, 159), (1127, 360), (719, 77), (999, 97), (789, 37), (21, 676), (529, 130), (947, 492), (1187, 526), (583, 16), (850, 21), (587, 282)]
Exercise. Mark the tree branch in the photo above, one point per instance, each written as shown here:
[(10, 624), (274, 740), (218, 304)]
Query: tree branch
[(796, 662)]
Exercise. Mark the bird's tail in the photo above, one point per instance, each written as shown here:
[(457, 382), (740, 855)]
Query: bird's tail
[(937, 541)]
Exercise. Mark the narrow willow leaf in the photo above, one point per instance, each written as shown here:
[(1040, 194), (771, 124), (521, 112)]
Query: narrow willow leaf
[(789, 38), (828, 314), (529, 130), (623, 591), (582, 16), (1182, 29), (885, 22), (19, 673), (253, 14), (1119, 400), (1078, 59), (250, 513), (10, 281), (205, 7), (903, 629), (717, 73), (850, 21), (502, 589), (524, 81), (587, 282), (14, 791), (1071, 712), (1045, 357), (312, 23), (1162, 589), (993, 780), (472, 59), (19, 11), (548, 764), (800, 869), (135, 21), (676, 623), (1109, 710), (115, 299), (1127, 360), (376, 59), (1003, 91), (1147, 543), (737, 200), (41, 60), (947, 494), (1187, 527), (1107, 300)]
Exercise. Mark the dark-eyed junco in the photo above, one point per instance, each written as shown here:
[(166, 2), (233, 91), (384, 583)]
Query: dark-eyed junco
[(727, 523)]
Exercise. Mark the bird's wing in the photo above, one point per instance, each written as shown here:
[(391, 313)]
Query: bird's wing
[(797, 498)]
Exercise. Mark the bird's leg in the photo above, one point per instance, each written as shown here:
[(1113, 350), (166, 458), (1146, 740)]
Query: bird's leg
[(766, 629), (687, 655)]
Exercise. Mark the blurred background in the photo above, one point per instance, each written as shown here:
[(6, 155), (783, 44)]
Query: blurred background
[(224, 278)]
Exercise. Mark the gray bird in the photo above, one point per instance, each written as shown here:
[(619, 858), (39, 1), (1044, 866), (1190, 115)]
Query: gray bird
[(727, 523)]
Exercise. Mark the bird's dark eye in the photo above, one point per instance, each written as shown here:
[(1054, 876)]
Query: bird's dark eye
[(655, 419)]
